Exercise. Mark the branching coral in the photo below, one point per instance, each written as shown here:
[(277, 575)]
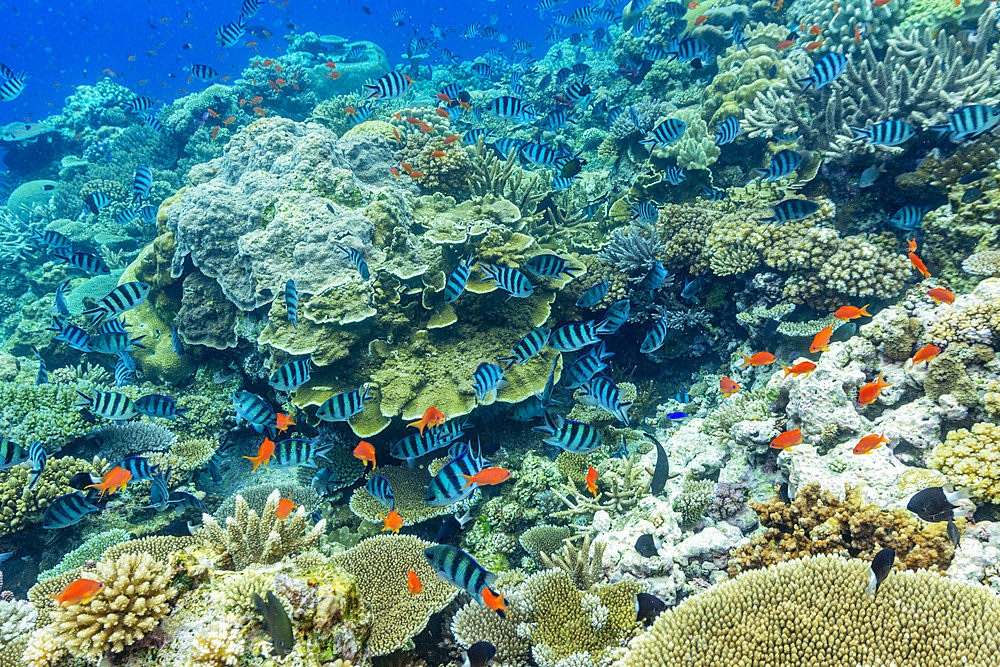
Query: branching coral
[(623, 484), (583, 564), (971, 459)]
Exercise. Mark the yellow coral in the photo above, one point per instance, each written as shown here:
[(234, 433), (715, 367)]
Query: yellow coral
[(971, 459), (218, 645), (43, 650)]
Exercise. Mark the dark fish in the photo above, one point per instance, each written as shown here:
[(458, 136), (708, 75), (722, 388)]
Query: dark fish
[(379, 489), (184, 500), (460, 570), (886, 133), (479, 654), (175, 340), (5, 556), (451, 484), (157, 405), (648, 607), (574, 336), (646, 546), (388, 86), (343, 406), (545, 398), (12, 454), (67, 510), (551, 266), (881, 566), (972, 177), (614, 317), (38, 459), (159, 494), (119, 300), (936, 504), (972, 194), (783, 493), (276, 622), (509, 280), (827, 69), (661, 471), (527, 347), (953, 533), (593, 295), (571, 436), (791, 209), (292, 303), (108, 404), (43, 373)]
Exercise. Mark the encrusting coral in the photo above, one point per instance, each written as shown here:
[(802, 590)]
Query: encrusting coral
[(970, 458)]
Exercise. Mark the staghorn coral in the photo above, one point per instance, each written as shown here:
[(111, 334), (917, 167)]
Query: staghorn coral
[(818, 522), (218, 645), (16, 618), (623, 484), (971, 459), (917, 618), (256, 498), (43, 650), (92, 549), (505, 179), (582, 564)]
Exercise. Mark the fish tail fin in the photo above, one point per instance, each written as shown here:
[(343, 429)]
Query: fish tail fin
[(256, 460), (872, 584), (788, 371), (860, 133), (864, 310), (746, 360)]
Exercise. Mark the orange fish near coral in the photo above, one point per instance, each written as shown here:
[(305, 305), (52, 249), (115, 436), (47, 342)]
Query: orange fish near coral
[(941, 295), (812, 46), (260, 112), (869, 443), (701, 19), (487, 477), (78, 592), (113, 480), (264, 454), (284, 421), (728, 387), (413, 582), (815, 30), (911, 244), (257, 100), (432, 417), (759, 359), (879, 3), (787, 439), (392, 521), (494, 602), (848, 313), (821, 341), (366, 452), (438, 154), (229, 119), (785, 44), (801, 368), (925, 353), (285, 507), (919, 265), (215, 132), (592, 480), (871, 391), (452, 138)]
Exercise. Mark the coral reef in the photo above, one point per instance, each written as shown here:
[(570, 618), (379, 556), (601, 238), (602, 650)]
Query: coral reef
[(970, 458)]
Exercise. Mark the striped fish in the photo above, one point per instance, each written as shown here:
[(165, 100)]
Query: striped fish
[(292, 303), (664, 134), (96, 201), (85, 261), (254, 409), (158, 405), (713, 194), (508, 106), (545, 398), (674, 175), (570, 436), (297, 451), (639, 28), (455, 284), (644, 211), (38, 460), (249, 9), (121, 299), (656, 337), (124, 370), (560, 183), (791, 209), (356, 257), (782, 164), (292, 375), (11, 454), (509, 280), (551, 266), (43, 372), (175, 341), (527, 347), (343, 406), (541, 154), (362, 113), (556, 119), (475, 134), (66, 511), (53, 239), (108, 404), (114, 326), (124, 217), (139, 467), (487, 379), (827, 69), (159, 494), (201, 72), (388, 86), (887, 133), (969, 122), (141, 182), (593, 295), (738, 37), (13, 85), (153, 123), (573, 337), (115, 342), (459, 568), (139, 104), (415, 445), (379, 489), (909, 218), (586, 366), (146, 214), (72, 335), (445, 488), (728, 129), (577, 90), (184, 500), (229, 34), (602, 392)]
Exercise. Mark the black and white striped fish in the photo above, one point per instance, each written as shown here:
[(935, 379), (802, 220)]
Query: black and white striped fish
[(13, 83), (578, 90), (415, 445), (379, 489), (455, 284), (146, 214), (297, 451), (249, 9), (80, 259), (53, 239), (656, 337), (11, 454), (586, 366), (886, 133), (388, 86), (43, 372), (36, 452), (738, 36), (158, 405), (253, 409), (551, 266), (969, 121), (125, 216), (357, 258), (473, 135), (560, 183), (909, 218), (108, 404), (67, 510), (117, 325), (644, 211), (527, 347), (827, 69), (593, 295), (176, 342), (604, 393), (665, 133), (727, 131), (506, 145), (124, 370), (121, 299), (183, 500), (574, 336), (556, 119), (139, 104), (508, 106), (139, 466), (114, 342), (541, 154), (343, 406), (571, 436), (487, 379), (229, 34), (159, 494), (459, 568), (674, 174), (153, 123), (69, 333), (141, 182), (449, 485), (713, 194), (782, 164), (509, 280), (292, 375), (292, 303), (791, 209), (201, 72), (545, 397), (95, 201)]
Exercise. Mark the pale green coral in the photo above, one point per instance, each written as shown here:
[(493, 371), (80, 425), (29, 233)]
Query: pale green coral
[(971, 459), (20, 506), (696, 149), (92, 549), (44, 413)]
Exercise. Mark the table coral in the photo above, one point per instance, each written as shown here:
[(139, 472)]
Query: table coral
[(971, 459)]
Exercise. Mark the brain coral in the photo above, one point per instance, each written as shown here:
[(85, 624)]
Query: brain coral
[(971, 459)]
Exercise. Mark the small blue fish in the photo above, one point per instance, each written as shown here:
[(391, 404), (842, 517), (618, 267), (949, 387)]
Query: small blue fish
[(677, 415)]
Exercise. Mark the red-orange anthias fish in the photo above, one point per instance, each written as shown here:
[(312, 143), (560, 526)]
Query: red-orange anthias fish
[(815, 30), (487, 477), (592, 480), (260, 112), (257, 100), (439, 154), (283, 421), (443, 113), (801, 368), (413, 582), (494, 602), (113, 480), (701, 19), (264, 454), (785, 44), (821, 341), (941, 295), (879, 3), (911, 244), (759, 359), (78, 592), (229, 119), (918, 264), (432, 417), (391, 521), (333, 75), (215, 132), (925, 353), (395, 172), (871, 391), (787, 439), (285, 507), (728, 387), (366, 452), (331, 64), (452, 138), (870, 443), (812, 46), (848, 313)]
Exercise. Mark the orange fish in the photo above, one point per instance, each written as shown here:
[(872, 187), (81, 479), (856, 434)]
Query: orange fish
[(879, 3), (280, 82), (869, 443), (113, 480), (919, 265), (801, 368), (442, 113), (701, 19), (260, 112), (925, 353), (366, 452), (857, 35), (815, 30), (812, 46), (242, 102), (78, 592), (941, 295), (452, 138), (264, 454), (413, 582), (406, 167), (784, 44), (432, 417), (413, 121), (787, 439), (395, 133), (392, 522), (333, 75), (592, 480), (911, 244), (131, 58), (836, 7), (229, 119), (444, 97), (395, 172), (424, 127), (215, 132), (284, 421), (277, 68), (257, 100), (728, 387), (416, 174), (251, 44), (212, 113), (870, 391), (759, 359), (821, 341), (487, 477), (285, 507), (107, 71), (350, 111), (848, 313), (331, 64), (493, 601), (274, 85), (692, 5), (778, 6), (438, 154)]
